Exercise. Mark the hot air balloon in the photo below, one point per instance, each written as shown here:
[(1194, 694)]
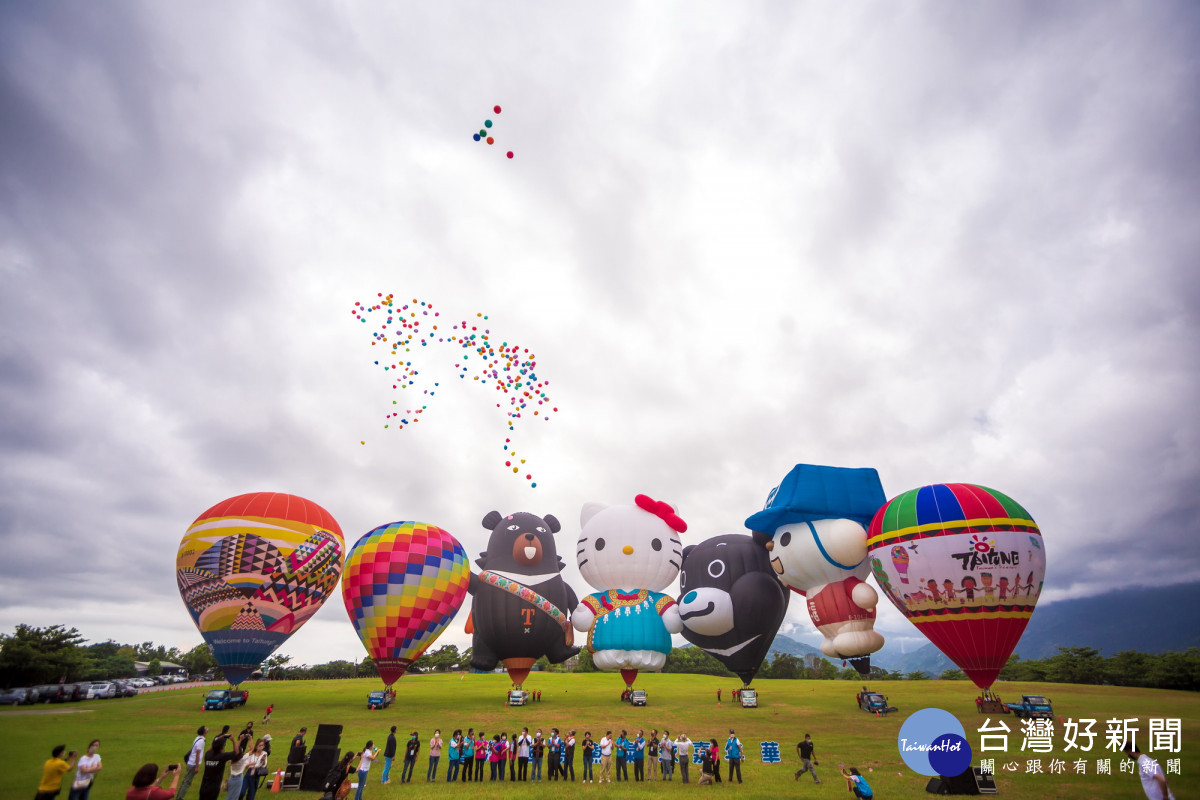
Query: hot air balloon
[(814, 527), (522, 606), (972, 575), (630, 554), (404, 583), (252, 569), (730, 603)]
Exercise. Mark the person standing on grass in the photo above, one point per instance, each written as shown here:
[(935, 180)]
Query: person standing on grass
[(512, 757), (435, 755), (369, 753), (389, 755), (466, 754), (606, 750), (237, 769), (805, 750), (568, 757), (553, 754), (1154, 781), (683, 753), (193, 762), (85, 772), (733, 752), (214, 766), (256, 771), (411, 750), (52, 773), (639, 757), (267, 716), (482, 746), (453, 753), (622, 757), (666, 756)]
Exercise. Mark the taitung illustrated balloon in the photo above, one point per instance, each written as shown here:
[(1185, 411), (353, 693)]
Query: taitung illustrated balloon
[(404, 583), (252, 569), (522, 607), (730, 603), (630, 554), (971, 574)]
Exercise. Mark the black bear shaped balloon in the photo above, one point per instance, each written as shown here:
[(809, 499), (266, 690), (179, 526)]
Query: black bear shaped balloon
[(730, 601), (522, 606)]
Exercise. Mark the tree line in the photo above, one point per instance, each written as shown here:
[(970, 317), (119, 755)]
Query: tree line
[(32, 656)]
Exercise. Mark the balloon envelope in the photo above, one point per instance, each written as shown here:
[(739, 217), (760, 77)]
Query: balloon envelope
[(404, 583), (965, 564), (252, 569)]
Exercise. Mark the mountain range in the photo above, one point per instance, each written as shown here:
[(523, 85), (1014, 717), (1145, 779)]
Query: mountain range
[(1146, 619)]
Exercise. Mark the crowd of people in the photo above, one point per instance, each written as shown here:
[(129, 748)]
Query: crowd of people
[(472, 756)]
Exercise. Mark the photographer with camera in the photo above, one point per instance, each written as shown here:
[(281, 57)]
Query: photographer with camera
[(147, 783), (53, 771)]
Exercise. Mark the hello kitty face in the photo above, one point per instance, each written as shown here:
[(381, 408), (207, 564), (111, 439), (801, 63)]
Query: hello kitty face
[(630, 547), (809, 555)]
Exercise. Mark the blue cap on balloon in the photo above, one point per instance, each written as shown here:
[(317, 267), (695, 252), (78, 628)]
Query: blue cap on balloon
[(812, 492)]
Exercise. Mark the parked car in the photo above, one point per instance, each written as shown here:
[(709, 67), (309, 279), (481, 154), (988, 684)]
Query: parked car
[(219, 699), (76, 691), (638, 698), (1032, 706), (749, 698), (18, 697), (104, 691), (51, 693), (126, 689), (380, 698), (875, 703), (518, 697)]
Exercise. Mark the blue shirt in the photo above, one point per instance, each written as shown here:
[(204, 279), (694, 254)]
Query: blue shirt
[(639, 752)]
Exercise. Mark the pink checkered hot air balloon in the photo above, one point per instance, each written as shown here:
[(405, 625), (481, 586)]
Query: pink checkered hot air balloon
[(403, 583)]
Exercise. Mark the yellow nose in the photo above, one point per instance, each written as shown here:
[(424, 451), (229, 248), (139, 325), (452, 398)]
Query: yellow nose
[(627, 550)]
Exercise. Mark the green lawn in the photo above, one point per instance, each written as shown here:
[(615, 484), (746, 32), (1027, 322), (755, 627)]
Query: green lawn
[(159, 727)]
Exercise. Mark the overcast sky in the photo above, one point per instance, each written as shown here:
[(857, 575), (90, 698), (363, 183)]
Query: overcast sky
[(951, 241)]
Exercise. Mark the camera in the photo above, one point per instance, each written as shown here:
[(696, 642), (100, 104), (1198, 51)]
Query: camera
[(172, 767)]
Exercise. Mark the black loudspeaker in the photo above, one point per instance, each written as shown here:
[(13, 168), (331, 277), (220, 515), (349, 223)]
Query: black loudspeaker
[(963, 783), (985, 781), (328, 735), (291, 776), (320, 761)]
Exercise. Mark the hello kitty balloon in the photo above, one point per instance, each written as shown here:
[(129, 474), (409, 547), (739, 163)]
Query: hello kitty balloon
[(630, 554)]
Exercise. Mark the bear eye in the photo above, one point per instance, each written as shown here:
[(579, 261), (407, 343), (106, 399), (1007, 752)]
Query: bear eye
[(540, 530), (716, 568), (682, 578), (514, 527), (599, 544), (656, 544), (785, 539)]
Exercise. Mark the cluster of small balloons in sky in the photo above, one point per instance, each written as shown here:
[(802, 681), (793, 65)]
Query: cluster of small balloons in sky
[(509, 367), (485, 133)]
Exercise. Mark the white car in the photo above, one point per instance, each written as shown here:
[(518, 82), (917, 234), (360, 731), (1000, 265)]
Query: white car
[(102, 691)]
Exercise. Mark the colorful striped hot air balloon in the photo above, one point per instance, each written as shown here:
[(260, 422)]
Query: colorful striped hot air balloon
[(252, 569), (404, 583), (970, 573)]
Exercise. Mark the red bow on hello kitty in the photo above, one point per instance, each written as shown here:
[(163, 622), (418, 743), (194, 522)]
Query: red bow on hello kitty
[(661, 510)]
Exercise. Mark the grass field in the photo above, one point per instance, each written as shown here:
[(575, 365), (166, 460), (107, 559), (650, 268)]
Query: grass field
[(159, 727)]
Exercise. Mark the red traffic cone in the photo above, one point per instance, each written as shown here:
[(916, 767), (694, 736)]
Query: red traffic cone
[(278, 780)]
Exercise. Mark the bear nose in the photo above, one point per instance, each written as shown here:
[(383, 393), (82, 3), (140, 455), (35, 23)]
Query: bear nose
[(627, 550), (529, 536)]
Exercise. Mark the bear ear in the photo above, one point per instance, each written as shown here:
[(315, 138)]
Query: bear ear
[(482, 561), (492, 520), (590, 510), (553, 523), (687, 550)]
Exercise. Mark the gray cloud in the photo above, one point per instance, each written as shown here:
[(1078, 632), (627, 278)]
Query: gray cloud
[(951, 242)]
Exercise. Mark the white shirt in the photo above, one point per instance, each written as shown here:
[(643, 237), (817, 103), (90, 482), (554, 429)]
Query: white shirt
[(684, 746), (196, 753), (606, 746), (364, 763), (86, 761), (1147, 768), (239, 766)]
